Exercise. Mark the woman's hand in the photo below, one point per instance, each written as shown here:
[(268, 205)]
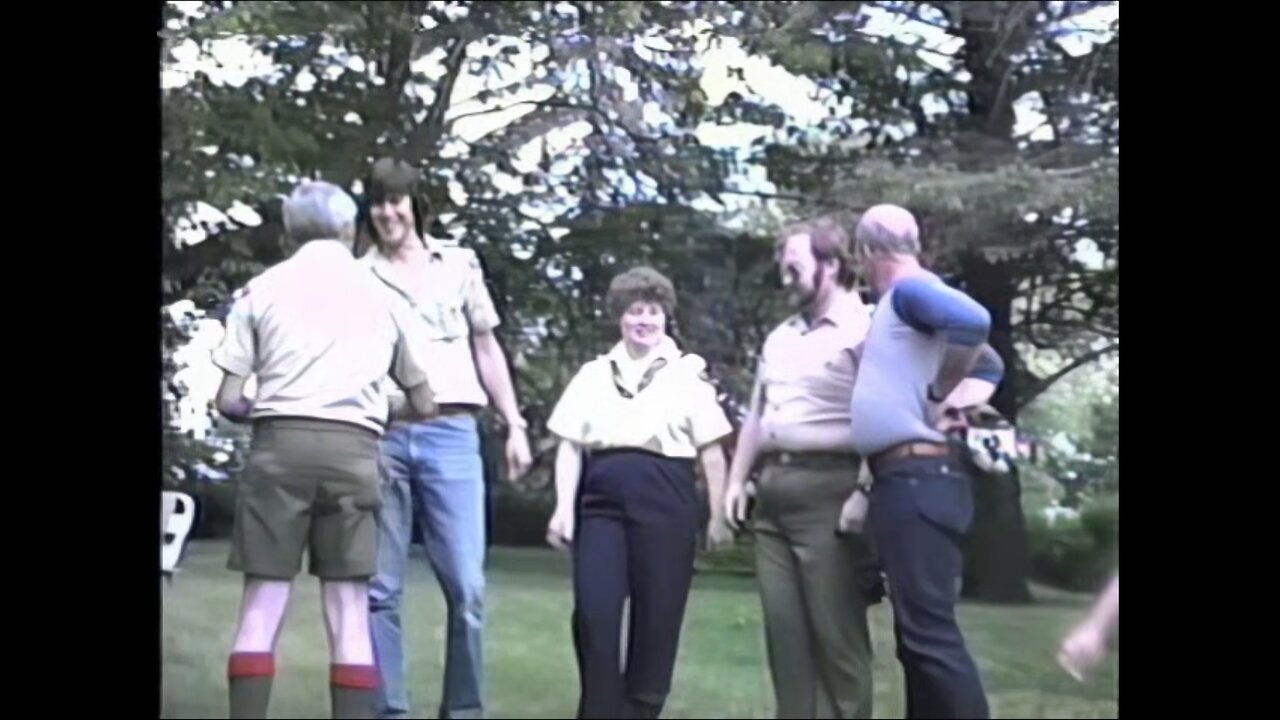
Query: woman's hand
[(560, 529), (719, 534)]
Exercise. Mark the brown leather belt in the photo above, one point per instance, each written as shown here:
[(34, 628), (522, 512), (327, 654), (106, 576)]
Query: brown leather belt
[(448, 409), (811, 460), (910, 450)]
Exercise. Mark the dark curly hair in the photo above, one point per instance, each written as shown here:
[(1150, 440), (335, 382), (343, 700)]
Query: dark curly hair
[(640, 284)]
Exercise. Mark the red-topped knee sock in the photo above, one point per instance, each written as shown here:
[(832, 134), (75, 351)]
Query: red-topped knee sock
[(249, 676), (354, 691)]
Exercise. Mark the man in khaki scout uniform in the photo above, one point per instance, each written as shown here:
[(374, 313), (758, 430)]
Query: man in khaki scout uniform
[(321, 337), (811, 578), (435, 469)]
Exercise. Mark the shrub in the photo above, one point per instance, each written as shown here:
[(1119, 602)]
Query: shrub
[(1076, 553), (1101, 519), (520, 517)]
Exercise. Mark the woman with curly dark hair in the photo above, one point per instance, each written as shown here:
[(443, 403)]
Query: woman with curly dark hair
[(632, 423)]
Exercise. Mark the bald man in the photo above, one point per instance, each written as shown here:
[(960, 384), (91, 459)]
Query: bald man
[(925, 340)]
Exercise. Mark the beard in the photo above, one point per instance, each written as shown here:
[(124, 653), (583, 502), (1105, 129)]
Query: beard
[(802, 298)]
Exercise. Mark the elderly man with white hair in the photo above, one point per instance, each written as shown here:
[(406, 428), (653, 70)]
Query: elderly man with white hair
[(926, 339), (322, 337)]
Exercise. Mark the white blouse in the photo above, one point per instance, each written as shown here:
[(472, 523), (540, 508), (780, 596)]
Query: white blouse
[(674, 414)]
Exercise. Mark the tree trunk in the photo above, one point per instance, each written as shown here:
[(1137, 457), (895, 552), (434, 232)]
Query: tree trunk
[(996, 554)]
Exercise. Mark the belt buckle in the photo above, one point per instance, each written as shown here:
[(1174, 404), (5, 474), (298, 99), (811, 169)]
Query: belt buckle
[(784, 458)]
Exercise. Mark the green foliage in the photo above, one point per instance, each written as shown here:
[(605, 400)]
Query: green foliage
[(1106, 443), (350, 80), (1076, 553), (962, 171), (1101, 520), (1078, 423), (520, 515)]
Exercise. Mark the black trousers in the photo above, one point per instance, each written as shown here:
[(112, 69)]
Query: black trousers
[(920, 509), (635, 538)]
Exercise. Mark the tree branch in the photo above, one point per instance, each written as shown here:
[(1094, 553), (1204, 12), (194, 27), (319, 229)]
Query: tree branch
[(1069, 10), (505, 88), (1038, 385), (425, 138), (765, 195), (401, 48), (913, 13), (453, 120)]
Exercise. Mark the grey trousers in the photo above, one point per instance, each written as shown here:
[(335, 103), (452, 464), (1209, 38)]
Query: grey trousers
[(815, 608)]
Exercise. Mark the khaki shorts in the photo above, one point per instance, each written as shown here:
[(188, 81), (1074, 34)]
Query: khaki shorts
[(309, 484)]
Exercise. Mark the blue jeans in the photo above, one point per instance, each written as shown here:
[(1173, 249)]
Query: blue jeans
[(920, 510), (434, 468)]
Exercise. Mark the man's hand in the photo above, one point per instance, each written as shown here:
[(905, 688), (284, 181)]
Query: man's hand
[(495, 375), (949, 414), (560, 529), (236, 411), (853, 514), (736, 499), (401, 410), (519, 458), (230, 400), (1082, 649), (719, 534), (946, 417)]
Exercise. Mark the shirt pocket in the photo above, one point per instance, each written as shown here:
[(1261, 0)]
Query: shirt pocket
[(444, 318)]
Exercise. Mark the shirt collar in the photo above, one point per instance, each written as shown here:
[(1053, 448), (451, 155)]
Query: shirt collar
[(845, 311), (325, 247), (666, 349), (376, 258), (433, 246)]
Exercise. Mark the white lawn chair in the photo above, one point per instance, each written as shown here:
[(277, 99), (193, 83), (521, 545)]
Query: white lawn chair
[(177, 517)]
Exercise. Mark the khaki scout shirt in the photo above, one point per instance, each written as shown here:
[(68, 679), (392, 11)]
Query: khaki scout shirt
[(805, 379), (675, 413), (321, 335), (449, 294)]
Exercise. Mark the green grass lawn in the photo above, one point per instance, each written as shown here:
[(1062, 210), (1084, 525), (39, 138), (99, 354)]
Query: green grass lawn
[(721, 671)]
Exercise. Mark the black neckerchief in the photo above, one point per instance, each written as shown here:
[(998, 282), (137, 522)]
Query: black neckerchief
[(644, 379)]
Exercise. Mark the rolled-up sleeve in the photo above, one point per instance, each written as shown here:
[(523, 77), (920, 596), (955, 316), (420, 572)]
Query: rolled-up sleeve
[(707, 421), (571, 418), (482, 315), (236, 354)]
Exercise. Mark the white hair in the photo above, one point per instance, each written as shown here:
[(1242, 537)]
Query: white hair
[(319, 211), (888, 229)]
